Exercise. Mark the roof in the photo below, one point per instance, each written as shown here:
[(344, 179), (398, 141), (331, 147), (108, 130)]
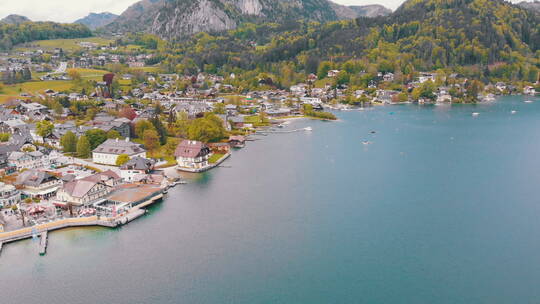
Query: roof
[(191, 149), (34, 178), (78, 188), (102, 176), (117, 147), (138, 163)]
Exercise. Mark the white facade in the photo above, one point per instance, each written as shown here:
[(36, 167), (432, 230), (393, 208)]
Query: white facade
[(9, 195), (110, 159)]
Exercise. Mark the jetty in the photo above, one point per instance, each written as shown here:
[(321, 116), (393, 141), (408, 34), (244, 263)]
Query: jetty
[(43, 241)]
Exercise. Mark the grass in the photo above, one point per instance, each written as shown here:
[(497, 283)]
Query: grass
[(38, 87), (255, 120), (215, 158), (66, 44), (33, 87)]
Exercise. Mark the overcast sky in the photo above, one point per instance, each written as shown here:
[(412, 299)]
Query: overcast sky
[(71, 10)]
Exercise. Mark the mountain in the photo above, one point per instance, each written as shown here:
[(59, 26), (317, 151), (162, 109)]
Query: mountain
[(420, 35), (535, 6), (15, 19), (174, 19), (374, 10), (94, 21)]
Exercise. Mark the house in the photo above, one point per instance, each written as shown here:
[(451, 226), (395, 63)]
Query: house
[(528, 90), (237, 141), (88, 190), (333, 73), (423, 77), (28, 160), (108, 152), (136, 166), (38, 184), (389, 77), (192, 155), (9, 195)]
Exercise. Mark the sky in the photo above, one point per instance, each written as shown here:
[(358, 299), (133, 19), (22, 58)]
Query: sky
[(71, 10)]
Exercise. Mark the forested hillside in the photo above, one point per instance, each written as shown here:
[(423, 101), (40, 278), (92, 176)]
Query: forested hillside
[(477, 36), (12, 34)]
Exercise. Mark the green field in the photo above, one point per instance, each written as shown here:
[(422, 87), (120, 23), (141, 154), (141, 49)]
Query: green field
[(33, 87), (66, 44)]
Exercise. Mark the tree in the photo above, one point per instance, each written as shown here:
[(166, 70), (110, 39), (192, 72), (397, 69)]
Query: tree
[(151, 139), (207, 129), (160, 128), (83, 147), (122, 159), (44, 128), (219, 108), (69, 142), (127, 112), (4, 137), (75, 75), (113, 134), (142, 126), (96, 137)]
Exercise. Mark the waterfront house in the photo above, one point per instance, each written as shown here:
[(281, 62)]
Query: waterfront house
[(528, 90), (192, 155), (136, 166), (89, 189), (9, 195), (38, 184), (237, 141), (108, 152)]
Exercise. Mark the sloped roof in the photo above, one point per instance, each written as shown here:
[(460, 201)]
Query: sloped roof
[(79, 188), (191, 149), (117, 147)]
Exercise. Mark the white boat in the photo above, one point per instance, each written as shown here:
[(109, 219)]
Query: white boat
[(528, 101), (475, 114), (513, 112), (308, 129)]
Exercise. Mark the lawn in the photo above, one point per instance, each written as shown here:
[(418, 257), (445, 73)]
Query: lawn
[(33, 87), (66, 44), (215, 158), (255, 120)]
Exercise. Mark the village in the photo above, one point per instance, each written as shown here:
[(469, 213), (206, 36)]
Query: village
[(113, 137)]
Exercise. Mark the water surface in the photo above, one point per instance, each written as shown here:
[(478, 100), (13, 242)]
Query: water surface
[(442, 207)]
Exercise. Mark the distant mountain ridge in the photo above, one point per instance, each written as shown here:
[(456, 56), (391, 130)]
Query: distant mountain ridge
[(174, 19), (15, 19), (534, 6), (97, 20)]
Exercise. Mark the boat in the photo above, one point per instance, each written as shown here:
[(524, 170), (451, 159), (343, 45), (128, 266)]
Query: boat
[(366, 142), (308, 129), (528, 101), (513, 112), (475, 114)]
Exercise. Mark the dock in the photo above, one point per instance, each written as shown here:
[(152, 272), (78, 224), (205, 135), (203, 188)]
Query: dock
[(1, 243), (43, 241)]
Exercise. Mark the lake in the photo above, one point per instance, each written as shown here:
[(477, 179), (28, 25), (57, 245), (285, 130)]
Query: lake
[(440, 207)]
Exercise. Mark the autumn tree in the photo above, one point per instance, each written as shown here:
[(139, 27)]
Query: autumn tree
[(69, 142), (83, 147)]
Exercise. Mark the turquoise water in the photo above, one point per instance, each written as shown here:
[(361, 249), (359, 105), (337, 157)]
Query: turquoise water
[(442, 207)]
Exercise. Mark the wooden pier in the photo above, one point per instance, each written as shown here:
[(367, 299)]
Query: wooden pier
[(43, 243)]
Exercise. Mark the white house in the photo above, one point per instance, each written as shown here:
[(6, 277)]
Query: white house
[(192, 155), (108, 152), (28, 160), (9, 195), (136, 166), (89, 189)]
